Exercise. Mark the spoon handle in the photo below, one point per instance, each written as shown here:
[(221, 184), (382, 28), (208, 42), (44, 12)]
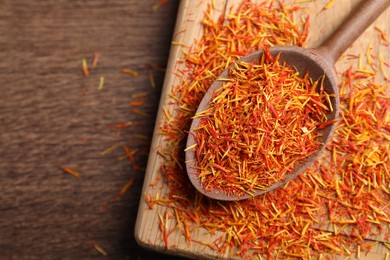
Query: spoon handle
[(366, 13)]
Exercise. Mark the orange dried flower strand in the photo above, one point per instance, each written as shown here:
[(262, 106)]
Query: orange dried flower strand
[(260, 124)]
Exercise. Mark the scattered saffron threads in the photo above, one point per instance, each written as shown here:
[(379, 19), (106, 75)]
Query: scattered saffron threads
[(369, 54), (370, 72), (284, 223), (101, 83), (351, 56), (360, 66), (137, 103), (329, 4), (130, 155), (383, 67), (178, 33), (124, 157), (179, 44), (131, 72), (139, 95), (124, 188), (71, 171), (246, 140), (139, 112), (100, 249), (122, 125), (84, 67), (150, 69), (159, 4), (156, 67), (163, 228), (109, 149), (158, 178), (151, 78), (382, 35), (95, 60), (156, 200)]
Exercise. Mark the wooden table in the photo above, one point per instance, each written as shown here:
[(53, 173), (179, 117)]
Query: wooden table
[(52, 116)]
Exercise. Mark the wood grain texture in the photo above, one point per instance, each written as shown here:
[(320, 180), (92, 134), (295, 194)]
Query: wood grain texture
[(188, 28), (52, 116)]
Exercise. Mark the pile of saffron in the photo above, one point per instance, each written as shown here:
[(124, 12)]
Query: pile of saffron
[(259, 126), (329, 209)]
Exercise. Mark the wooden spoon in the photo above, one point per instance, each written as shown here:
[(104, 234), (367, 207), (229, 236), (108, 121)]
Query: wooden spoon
[(317, 62)]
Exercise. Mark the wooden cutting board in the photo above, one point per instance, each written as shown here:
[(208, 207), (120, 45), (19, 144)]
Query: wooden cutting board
[(188, 28)]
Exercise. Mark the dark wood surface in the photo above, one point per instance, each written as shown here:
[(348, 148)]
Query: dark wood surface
[(53, 116)]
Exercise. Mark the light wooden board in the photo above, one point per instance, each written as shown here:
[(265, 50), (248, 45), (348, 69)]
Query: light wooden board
[(188, 28)]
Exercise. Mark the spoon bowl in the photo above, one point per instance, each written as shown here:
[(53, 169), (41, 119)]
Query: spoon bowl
[(304, 60), (317, 63)]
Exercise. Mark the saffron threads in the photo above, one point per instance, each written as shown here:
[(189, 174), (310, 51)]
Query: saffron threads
[(330, 208), (131, 72), (329, 4), (179, 44), (382, 35), (139, 112), (130, 154), (95, 60), (159, 4), (121, 125), (149, 71), (124, 188), (101, 83), (109, 149), (137, 103), (163, 228), (84, 67), (260, 124), (71, 171), (139, 95), (100, 249)]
